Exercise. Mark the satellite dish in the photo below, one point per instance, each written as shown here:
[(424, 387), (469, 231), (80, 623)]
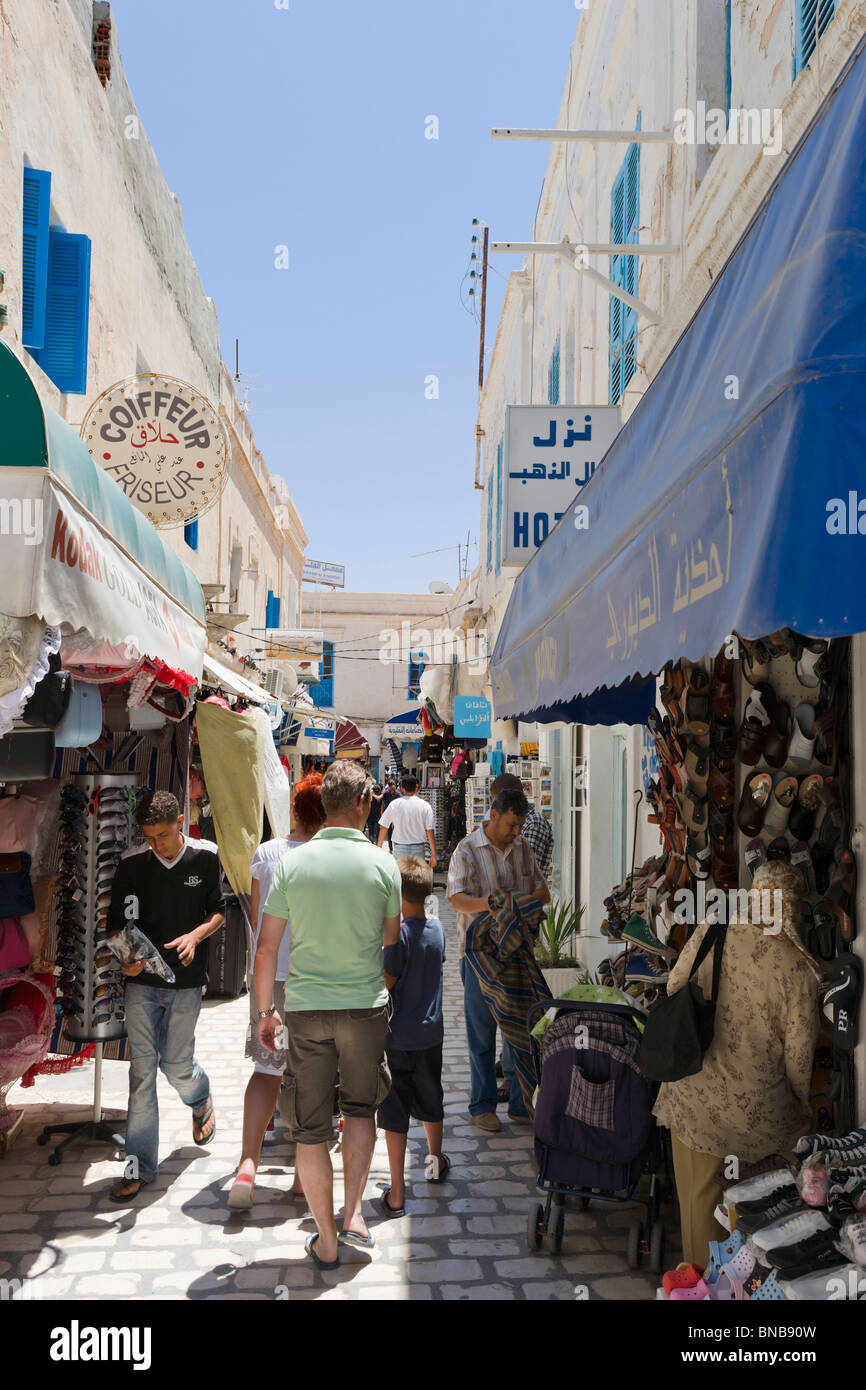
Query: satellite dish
[(438, 586)]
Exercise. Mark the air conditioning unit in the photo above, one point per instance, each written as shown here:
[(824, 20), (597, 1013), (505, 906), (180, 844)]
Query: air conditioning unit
[(274, 683), (308, 672)]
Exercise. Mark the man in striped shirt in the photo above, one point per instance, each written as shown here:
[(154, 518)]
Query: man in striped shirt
[(494, 856)]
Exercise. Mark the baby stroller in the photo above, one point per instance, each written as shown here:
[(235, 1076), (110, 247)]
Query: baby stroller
[(595, 1135)]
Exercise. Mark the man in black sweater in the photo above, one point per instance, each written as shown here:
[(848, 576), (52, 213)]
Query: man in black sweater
[(170, 888)]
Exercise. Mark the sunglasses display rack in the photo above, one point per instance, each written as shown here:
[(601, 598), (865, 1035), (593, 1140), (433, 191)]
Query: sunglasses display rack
[(96, 825)]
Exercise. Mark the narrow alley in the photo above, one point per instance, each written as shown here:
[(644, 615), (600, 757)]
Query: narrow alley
[(465, 1240)]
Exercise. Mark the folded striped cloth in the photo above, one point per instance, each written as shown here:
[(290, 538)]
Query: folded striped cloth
[(499, 950)]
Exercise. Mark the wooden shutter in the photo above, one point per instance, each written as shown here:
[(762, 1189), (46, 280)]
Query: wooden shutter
[(553, 377), (813, 17), (499, 506), (64, 354), (34, 255), (190, 533), (624, 230), (490, 519), (617, 236)]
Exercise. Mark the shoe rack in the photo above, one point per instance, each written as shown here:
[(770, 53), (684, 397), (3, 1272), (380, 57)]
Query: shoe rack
[(98, 825)]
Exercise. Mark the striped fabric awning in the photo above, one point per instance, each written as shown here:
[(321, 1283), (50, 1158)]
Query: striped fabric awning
[(350, 742)]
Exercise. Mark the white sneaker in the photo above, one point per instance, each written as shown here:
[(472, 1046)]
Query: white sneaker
[(790, 1229), (854, 1237), (832, 1285), (753, 1188)]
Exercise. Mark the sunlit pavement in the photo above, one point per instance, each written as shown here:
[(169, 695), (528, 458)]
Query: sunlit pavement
[(462, 1240)]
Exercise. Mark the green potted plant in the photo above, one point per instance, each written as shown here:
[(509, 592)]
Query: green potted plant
[(554, 948)]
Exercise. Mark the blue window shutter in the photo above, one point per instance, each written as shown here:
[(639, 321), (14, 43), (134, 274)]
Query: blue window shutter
[(499, 506), (322, 695), (64, 354), (617, 236), (269, 609), (728, 68), (276, 621), (416, 670), (190, 533), (490, 519), (553, 377), (34, 255), (812, 19), (624, 230)]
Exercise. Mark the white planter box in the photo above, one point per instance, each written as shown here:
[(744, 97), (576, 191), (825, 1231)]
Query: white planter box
[(560, 978)]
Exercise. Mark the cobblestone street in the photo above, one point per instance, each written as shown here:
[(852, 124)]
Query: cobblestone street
[(464, 1240)]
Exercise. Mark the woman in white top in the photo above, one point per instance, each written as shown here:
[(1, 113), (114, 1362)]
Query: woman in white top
[(263, 1088)]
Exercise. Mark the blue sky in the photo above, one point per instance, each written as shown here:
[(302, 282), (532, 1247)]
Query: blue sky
[(305, 128)]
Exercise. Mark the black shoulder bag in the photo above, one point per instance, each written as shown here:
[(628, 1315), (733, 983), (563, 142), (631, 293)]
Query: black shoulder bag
[(680, 1029)]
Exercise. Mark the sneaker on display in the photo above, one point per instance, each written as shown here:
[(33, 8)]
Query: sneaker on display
[(814, 1251), (788, 1205), (790, 1230), (760, 1186)]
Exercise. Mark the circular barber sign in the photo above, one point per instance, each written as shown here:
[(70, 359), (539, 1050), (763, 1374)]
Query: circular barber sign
[(161, 441)]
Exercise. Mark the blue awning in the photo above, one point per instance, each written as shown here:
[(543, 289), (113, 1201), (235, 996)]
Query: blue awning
[(731, 500)]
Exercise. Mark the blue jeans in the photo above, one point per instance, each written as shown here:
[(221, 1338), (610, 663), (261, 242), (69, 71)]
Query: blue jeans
[(160, 1024), (481, 1037), (400, 851), (508, 1072)]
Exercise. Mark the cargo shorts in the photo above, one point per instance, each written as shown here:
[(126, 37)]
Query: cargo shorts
[(325, 1045)]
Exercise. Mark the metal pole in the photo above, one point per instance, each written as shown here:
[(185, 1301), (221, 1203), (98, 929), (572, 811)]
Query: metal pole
[(483, 313), (621, 137), (481, 354)]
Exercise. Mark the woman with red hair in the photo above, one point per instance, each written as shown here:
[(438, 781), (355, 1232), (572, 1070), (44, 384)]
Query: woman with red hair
[(263, 1089)]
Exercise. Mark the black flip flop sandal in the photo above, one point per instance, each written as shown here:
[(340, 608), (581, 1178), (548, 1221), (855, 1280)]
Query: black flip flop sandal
[(309, 1245), (446, 1169), (389, 1213)]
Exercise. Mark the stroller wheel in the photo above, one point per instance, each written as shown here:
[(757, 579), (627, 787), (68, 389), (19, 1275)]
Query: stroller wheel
[(556, 1229), (535, 1226), (635, 1231), (657, 1247)]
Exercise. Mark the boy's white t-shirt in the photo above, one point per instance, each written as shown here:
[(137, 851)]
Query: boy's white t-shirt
[(410, 818), (263, 868)]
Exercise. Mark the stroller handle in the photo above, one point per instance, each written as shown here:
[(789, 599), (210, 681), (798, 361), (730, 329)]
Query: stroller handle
[(540, 1007)]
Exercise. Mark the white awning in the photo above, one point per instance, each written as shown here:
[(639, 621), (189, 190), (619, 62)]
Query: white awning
[(229, 680)]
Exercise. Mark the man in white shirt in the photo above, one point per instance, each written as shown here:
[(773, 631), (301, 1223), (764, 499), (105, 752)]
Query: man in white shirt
[(410, 819)]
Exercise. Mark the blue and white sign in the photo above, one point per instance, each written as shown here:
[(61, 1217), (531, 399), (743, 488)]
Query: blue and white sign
[(321, 572), (550, 452), (472, 716)]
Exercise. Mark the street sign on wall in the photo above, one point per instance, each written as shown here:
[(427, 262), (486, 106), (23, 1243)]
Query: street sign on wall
[(321, 572), (550, 452), (161, 441)]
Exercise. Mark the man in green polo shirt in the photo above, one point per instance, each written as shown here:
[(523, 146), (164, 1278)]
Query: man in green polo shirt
[(343, 898)]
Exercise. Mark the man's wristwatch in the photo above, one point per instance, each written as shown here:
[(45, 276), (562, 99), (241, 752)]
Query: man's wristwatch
[(266, 1013)]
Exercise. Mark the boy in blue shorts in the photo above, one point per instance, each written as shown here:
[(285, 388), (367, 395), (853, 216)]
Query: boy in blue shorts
[(413, 973)]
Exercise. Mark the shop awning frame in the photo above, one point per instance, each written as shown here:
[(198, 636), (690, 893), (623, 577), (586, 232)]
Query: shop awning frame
[(237, 685), (45, 463), (710, 512)]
